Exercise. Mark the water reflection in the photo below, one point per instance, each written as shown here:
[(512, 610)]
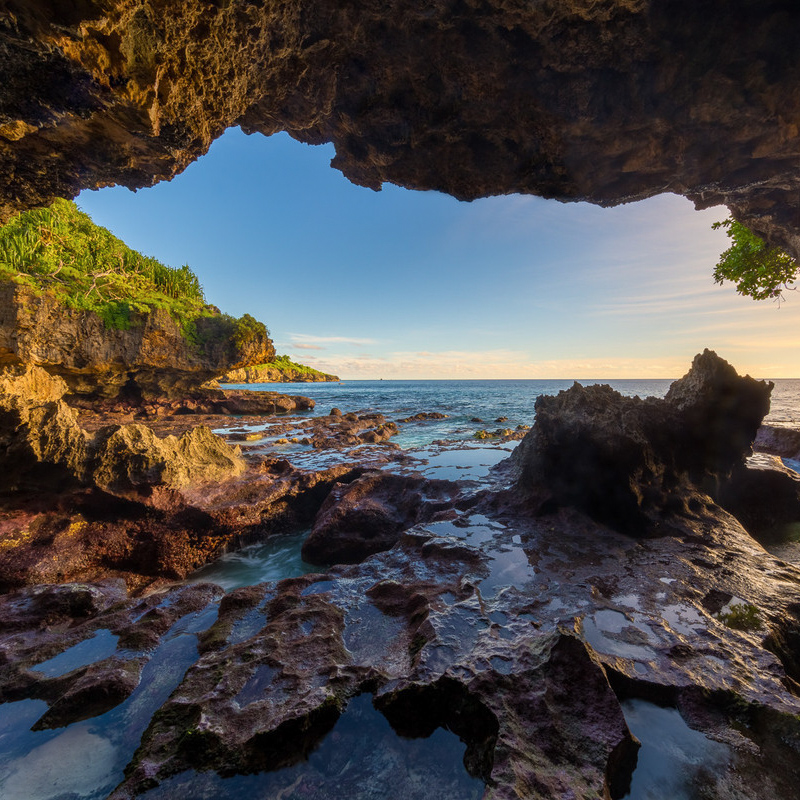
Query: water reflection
[(675, 762), (86, 760), (100, 646), (361, 758)]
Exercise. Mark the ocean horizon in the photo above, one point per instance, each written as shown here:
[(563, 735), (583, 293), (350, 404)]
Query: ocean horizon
[(473, 404)]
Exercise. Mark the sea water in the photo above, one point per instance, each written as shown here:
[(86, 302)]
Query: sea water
[(465, 401)]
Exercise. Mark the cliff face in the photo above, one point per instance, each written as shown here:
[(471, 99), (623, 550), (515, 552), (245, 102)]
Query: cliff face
[(608, 101), (152, 358), (272, 373)]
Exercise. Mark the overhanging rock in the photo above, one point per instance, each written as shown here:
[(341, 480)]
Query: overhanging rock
[(608, 101)]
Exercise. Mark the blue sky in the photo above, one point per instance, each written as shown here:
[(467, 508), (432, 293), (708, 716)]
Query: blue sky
[(401, 284)]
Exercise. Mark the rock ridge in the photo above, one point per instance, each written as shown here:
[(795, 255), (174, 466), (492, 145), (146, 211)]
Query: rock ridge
[(274, 373), (633, 463), (41, 441)]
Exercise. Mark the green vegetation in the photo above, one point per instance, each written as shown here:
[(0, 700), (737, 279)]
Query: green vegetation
[(59, 250), (223, 329), (287, 365), (759, 271), (742, 617)]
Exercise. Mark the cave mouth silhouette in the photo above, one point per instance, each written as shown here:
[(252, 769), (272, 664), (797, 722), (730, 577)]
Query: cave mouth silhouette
[(607, 102)]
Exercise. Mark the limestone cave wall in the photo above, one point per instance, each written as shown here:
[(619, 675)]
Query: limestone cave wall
[(601, 100)]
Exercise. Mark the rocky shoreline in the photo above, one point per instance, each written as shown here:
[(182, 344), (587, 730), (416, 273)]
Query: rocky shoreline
[(151, 359), (616, 556)]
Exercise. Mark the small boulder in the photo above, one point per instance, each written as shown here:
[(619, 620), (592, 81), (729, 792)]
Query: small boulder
[(424, 416), (369, 514), (784, 442), (129, 456)]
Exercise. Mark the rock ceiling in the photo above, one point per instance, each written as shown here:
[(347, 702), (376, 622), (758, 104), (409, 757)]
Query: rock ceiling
[(608, 101)]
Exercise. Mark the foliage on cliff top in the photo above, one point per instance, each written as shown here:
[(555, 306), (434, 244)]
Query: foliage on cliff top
[(758, 270), (60, 250), (286, 364)]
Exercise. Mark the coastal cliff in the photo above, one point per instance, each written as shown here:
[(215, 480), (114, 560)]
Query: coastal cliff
[(77, 301), (281, 370), (151, 358)]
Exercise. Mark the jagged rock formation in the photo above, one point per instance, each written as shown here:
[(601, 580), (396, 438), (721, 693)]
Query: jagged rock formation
[(627, 461), (152, 358), (527, 667), (148, 534), (607, 101), (524, 634), (41, 443), (369, 514), (40, 439)]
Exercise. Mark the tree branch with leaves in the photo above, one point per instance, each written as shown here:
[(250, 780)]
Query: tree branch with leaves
[(758, 270)]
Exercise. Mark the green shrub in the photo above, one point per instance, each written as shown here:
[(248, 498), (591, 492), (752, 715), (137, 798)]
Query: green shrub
[(285, 363), (61, 251), (758, 270)]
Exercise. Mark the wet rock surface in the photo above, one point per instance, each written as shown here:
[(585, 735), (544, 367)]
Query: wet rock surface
[(85, 499), (154, 534), (533, 632), (608, 102), (521, 636), (83, 658), (368, 515)]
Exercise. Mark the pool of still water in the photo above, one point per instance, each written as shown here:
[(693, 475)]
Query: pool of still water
[(361, 758)]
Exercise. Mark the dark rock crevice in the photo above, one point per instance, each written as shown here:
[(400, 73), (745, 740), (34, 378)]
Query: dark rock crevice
[(416, 712)]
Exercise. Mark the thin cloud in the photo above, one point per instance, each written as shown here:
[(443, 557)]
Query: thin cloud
[(300, 339)]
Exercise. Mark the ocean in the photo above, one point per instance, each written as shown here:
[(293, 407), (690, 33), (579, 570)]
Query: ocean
[(486, 400)]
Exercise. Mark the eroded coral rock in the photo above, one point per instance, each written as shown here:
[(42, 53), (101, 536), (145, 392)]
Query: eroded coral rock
[(783, 442), (40, 439), (608, 101), (132, 455), (626, 461), (152, 358), (148, 534)]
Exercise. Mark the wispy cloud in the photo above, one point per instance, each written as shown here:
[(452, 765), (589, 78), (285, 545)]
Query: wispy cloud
[(307, 341), (497, 364), (304, 346)]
